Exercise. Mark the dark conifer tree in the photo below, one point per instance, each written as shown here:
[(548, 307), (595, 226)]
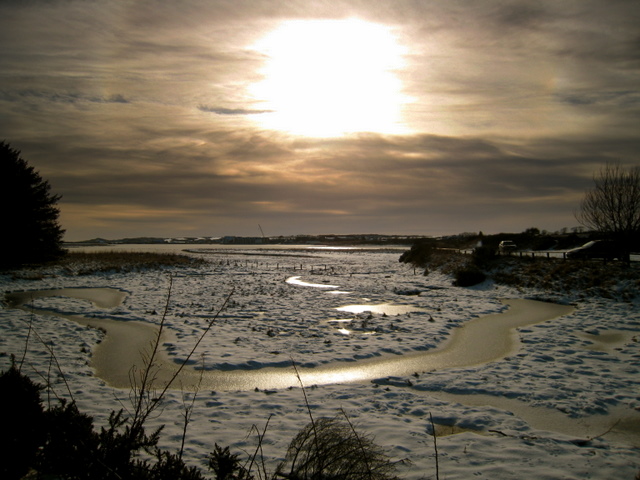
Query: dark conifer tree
[(31, 232)]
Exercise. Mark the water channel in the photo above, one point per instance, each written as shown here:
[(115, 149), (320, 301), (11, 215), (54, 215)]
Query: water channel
[(479, 341)]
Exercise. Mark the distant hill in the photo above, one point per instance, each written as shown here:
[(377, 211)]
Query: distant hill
[(331, 239)]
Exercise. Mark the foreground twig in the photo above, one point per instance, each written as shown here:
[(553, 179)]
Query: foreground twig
[(52, 354), (188, 411), (609, 430), (26, 342), (59, 368), (141, 415), (359, 440), (435, 445), (138, 413), (259, 449), (204, 334), (306, 402)]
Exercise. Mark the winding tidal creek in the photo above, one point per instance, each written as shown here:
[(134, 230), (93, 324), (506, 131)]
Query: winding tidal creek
[(126, 344)]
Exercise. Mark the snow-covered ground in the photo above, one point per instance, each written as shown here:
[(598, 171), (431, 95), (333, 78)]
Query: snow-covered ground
[(529, 415)]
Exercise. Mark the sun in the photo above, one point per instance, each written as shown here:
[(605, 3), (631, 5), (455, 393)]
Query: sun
[(327, 78)]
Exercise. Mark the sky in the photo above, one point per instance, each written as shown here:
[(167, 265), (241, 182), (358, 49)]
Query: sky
[(409, 117)]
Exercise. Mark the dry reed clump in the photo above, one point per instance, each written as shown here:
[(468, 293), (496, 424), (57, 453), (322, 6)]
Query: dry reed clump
[(331, 448)]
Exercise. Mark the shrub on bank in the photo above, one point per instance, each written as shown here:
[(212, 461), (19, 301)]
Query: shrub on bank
[(419, 255), (483, 257), (582, 277), (468, 277), (21, 420), (60, 442)]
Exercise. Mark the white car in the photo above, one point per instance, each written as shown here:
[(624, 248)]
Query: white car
[(507, 246)]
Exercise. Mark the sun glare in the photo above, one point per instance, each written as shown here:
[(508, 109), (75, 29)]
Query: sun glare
[(326, 78)]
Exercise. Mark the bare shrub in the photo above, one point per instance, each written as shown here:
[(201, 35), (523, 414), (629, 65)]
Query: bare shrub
[(612, 206)]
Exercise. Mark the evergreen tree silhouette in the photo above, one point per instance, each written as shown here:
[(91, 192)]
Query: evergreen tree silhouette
[(31, 232)]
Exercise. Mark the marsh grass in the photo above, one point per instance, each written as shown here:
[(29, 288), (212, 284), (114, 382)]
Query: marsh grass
[(88, 263)]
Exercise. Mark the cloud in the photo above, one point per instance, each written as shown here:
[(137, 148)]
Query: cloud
[(139, 116), (618, 99), (231, 111), (50, 96), (373, 180)]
